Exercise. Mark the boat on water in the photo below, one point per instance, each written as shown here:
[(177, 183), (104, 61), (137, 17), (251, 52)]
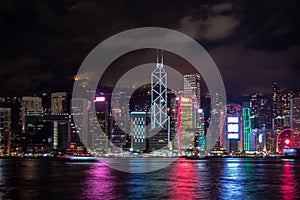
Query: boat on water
[(77, 155), (77, 158), (196, 157)]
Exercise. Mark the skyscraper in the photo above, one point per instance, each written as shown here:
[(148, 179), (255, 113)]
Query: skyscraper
[(286, 99), (32, 133), (100, 140), (159, 116), (215, 130), (159, 133), (59, 102), (233, 128), (138, 130), (5, 130), (191, 86), (257, 110), (30, 106), (295, 113), (276, 101), (185, 126), (200, 133), (246, 128)]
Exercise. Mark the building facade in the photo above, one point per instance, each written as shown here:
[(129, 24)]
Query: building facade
[(5, 130), (138, 130)]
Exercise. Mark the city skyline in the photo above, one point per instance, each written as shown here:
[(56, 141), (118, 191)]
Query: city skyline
[(149, 99), (253, 45)]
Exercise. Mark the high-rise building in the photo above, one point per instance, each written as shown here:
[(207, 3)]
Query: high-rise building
[(5, 130), (257, 110), (88, 126), (233, 128), (215, 133), (172, 112), (191, 87), (286, 99), (159, 116), (120, 127), (32, 129), (31, 106), (100, 140), (138, 130), (58, 127), (79, 108), (269, 141), (185, 126), (295, 113), (159, 133), (276, 101), (59, 102), (200, 134), (246, 128)]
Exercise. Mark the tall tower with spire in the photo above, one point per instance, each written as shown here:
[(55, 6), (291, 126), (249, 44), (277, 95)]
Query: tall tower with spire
[(160, 130), (159, 116)]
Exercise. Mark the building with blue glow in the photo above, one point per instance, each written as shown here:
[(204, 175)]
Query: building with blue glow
[(200, 134), (138, 130)]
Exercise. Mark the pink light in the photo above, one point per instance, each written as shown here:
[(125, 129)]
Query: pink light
[(99, 99), (178, 128), (287, 141)]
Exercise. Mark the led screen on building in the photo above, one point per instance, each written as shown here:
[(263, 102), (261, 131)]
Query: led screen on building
[(232, 119), (233, 136), (233, 128)]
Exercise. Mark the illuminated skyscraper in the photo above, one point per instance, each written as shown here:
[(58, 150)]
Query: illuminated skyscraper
[(159, 116), (79, 107), (30, 106), (276, 101), (257, 110), (159, 133), (185, 126), (59, 102), (286, 99), (295, 113), (200, 134), (5, 130), (100, 140), (215, 130), (32, 132), (246, 128), (233, 128), (138, 130), (191, 87)]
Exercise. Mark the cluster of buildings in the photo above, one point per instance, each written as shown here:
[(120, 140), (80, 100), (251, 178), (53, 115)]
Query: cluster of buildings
[(164, 122)]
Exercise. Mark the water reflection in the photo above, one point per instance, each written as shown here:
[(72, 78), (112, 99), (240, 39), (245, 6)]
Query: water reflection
[(288, 183), (232, 177), (183, 181), (99, 182)]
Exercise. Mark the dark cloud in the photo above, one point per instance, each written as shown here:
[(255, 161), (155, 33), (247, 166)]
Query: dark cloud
[(248, 70), (44, 42)]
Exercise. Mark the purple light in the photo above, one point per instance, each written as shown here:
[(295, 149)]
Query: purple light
[(99, 99)]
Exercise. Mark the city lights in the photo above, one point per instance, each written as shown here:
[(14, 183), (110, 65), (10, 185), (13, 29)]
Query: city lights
[(287, 141), (99, 99)]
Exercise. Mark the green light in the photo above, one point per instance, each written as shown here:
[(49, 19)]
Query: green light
[(246, 128)]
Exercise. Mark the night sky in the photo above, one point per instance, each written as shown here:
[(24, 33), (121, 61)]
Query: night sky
[(253, 43)]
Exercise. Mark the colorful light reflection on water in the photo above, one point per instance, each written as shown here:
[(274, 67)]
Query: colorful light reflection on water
[(289, 186), (231, 178)]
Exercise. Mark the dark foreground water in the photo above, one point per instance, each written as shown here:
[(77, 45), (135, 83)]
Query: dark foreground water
[(230, 178)]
